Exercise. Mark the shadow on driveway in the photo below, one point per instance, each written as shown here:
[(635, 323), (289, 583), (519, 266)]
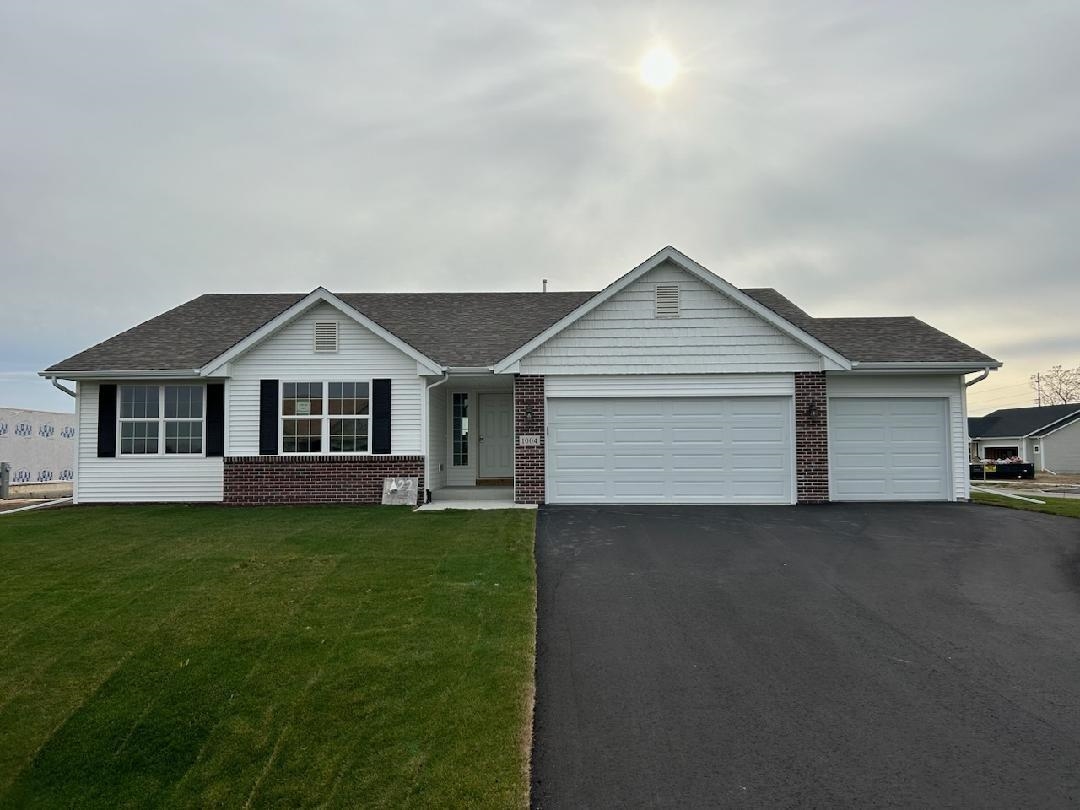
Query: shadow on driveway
[(924, 654)]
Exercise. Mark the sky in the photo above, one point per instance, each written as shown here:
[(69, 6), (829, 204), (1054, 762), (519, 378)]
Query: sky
[(864, 158)]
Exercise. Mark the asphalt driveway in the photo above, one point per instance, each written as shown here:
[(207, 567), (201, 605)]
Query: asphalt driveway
[(807, 656)]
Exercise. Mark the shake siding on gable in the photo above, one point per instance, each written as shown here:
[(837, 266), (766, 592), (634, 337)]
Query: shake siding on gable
[(130, 478), (712, 335), (289, 356)]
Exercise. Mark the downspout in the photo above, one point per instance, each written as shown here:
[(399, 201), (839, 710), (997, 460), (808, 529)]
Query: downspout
[(63, 388), (979, 379), (968, 384), (427, 434)]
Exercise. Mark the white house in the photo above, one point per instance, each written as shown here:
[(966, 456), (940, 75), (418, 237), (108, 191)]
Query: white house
[(1048, 436), (668, 386)]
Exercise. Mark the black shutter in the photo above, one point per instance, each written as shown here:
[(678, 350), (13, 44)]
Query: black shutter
[(106, 421), (268, 417), (380, 416), (215, 419)]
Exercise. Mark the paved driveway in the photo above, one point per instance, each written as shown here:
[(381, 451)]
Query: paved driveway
[(810, 656)]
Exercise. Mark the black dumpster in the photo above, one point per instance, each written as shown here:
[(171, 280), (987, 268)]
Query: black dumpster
[(993, 471)]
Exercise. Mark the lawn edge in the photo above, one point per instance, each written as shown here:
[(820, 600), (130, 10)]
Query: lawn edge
[(529, 696), (1002, 502)]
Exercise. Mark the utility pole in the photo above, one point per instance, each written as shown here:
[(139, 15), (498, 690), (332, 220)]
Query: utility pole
[(1038, 389)]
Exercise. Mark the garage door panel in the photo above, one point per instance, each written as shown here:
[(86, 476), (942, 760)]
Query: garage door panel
[(888, 448), (694, 450)]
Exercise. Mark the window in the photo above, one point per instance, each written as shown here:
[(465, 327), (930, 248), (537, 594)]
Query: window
[(997, 453), (349, 415), (329, 417), (461, 430), (667, 300), (149, 413)]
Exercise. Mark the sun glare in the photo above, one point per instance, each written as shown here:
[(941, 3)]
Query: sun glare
[(658, 68)]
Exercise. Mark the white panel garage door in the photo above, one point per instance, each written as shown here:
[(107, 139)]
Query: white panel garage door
[(654, 450), (884, 449)]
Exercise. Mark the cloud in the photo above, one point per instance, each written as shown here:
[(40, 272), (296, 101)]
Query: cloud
[(864, 158)]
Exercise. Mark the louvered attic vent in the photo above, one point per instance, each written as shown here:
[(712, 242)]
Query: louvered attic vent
[(667, 300), (326, 336)]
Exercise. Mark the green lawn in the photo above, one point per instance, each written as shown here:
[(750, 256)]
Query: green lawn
[(1069, 507), (207, 656)]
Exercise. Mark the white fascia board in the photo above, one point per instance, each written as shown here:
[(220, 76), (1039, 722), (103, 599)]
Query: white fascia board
[(317, 296), (125, 374), (689, 265), (469, 370), (905, 367), (1061, 423)]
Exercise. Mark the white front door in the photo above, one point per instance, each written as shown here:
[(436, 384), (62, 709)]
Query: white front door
[(496, 436)]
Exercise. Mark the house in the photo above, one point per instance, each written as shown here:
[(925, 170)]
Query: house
[(668, 386), (1048, 437), (39, 445)]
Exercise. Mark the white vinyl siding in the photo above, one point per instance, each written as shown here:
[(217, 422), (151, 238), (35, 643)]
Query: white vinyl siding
[(712, 335), (1060, 450), (949, 387), (138, 478), (438, 430), (288, 355), (670, 450)]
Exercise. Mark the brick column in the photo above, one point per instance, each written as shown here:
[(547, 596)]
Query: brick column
[(528, 421), (811, 437)]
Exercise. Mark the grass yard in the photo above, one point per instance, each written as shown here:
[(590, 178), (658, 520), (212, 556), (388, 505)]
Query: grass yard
[(1068, 507), (205, 656)]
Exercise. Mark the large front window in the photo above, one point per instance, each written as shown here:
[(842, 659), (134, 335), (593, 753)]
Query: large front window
[(318, 417), (161, 419)]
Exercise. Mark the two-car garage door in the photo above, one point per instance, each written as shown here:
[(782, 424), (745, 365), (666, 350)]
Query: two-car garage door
[(669, 450)]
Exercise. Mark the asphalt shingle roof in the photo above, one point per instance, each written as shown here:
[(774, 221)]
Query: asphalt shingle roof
[(468, 329), (1009, 422)]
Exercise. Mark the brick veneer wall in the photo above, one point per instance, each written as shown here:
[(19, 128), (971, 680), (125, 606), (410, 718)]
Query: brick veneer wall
[(315, 479), (529, 461), (811, 437)]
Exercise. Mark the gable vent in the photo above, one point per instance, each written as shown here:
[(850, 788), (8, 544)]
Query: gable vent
[(667, 300), (326, 336)]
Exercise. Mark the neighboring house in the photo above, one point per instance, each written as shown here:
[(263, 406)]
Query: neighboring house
[(1048, 437), (39, 445), (668, 386)]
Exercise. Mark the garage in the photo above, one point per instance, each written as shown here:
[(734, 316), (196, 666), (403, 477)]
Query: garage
[(670, 450), (888, 449)]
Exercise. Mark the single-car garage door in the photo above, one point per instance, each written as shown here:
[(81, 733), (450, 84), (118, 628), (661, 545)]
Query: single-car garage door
[(888, 449), (657, 450)]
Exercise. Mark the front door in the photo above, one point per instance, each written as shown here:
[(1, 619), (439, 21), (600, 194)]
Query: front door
[(496, 436)]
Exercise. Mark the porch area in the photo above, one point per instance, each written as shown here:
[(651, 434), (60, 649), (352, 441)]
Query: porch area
[(480, 497)]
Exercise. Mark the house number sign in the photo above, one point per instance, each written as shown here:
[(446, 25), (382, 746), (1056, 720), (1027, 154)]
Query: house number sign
[(528, 441)]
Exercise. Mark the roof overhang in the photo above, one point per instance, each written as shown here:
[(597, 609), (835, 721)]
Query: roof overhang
[(689, 265), (317, 296), (126, 373), (908, 367)]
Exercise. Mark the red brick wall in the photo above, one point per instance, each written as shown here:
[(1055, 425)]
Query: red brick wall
[(811, 437), (528, 461), (315, 479)]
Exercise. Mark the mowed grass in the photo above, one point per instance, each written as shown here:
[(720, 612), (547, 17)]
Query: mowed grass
[(205, 656), (1068, 507)]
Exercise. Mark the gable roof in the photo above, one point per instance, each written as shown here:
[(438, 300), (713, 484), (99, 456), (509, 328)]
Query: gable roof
[(1018, 422), (481, 329), (684, 262)]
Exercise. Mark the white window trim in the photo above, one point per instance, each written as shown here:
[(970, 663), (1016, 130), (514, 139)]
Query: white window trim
[(160, 419), (324, 418)]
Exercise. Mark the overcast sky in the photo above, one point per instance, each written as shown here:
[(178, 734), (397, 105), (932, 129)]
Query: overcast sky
[(864, 158)]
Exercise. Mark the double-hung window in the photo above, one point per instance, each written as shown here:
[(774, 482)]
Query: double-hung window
[(161, 419), (325, 417)]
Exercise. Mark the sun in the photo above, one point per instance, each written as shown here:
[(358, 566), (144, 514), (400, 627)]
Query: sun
[(658, 68)]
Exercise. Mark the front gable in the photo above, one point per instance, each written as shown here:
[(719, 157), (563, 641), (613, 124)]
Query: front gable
[(712, 334)]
